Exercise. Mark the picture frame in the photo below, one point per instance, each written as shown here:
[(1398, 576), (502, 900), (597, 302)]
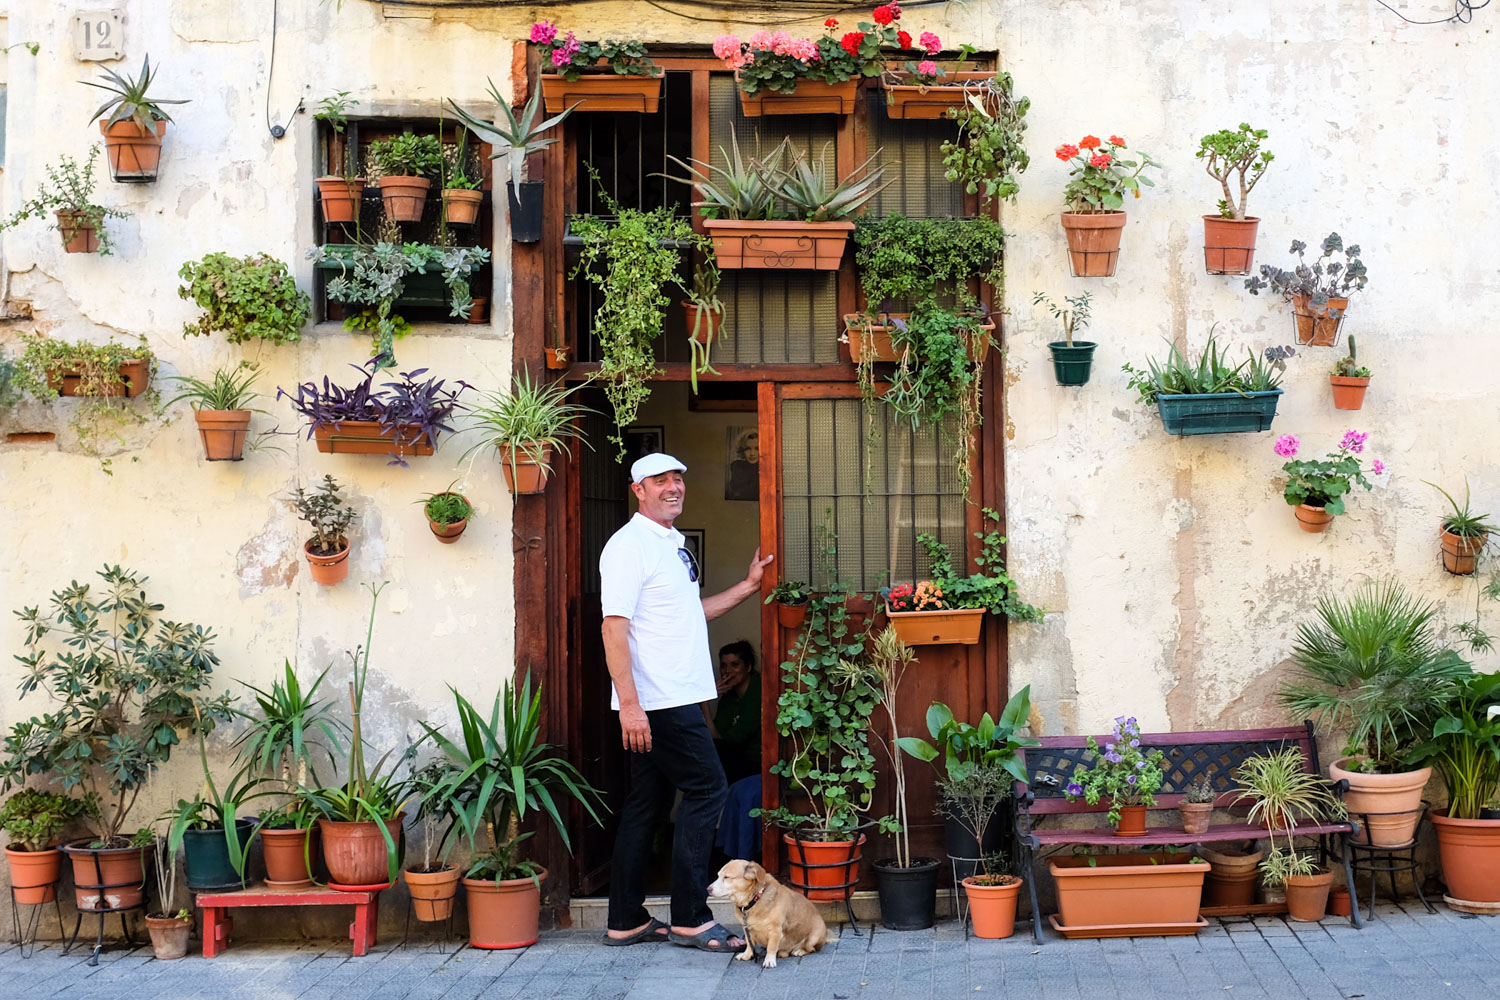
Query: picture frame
[(742, 462), (640, 441), (693, 540)]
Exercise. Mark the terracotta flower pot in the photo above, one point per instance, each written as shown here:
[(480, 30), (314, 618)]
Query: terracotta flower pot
[(959, 626), (1229, 244), (993, 907), (1312, 519), (106, 878), (134, 153), (462, 206), (432, 893), (1339, 902), (78, 233), (747, 244), (522, 475), (1392, 801), (1470, 850), (1231, 878), (1127, 889), (289, 855), (791, 615), (1132, 822), (447, 533), (479, 310), (356, 853), (34, 875), (340, 198), (169, 937), (327, 570), (705, 330), (1460, 553), (1195, 816), (1316, 327), (1307, 896), (223, 433), (811, 97), (405, 198), (557, 358), (602, 92), (504, 914), (1348, 391), (908, 99), (823, 869), (366, 437), (135, 378), (1093, 242)]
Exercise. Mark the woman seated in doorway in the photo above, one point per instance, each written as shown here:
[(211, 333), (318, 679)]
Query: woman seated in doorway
[(736, 721)]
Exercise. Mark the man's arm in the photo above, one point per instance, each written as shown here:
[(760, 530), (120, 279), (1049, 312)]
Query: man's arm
[(635, 729), (721, 602)]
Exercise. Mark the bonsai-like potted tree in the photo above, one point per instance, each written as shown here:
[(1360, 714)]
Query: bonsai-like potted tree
[(1319, 292), (33, 819), (136, 123), (339, 194), (221, 408), (448, 514), (124, 683), (1464, 533), (1072, 362), (328, 549), (1095, 199), (524, 426), (1349, 379), (1209, 394), (1229, 235), (1374, 667), (66, 196), (516, 140), (609, 75), (990, 148), (1316, 487), (486, 782), (406, 165), (1279, 790), (244, 298)]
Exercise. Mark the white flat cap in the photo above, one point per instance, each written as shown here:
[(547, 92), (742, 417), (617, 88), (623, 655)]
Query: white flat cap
[(654, 464)]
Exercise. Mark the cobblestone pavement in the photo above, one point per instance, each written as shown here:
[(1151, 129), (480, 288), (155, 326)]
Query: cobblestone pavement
[(1405, 954)]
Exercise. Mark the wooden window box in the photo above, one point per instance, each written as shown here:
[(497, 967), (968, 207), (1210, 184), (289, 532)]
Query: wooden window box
[(758, 244), (602, 92), (812, 97), (910, 100), (364, 437)]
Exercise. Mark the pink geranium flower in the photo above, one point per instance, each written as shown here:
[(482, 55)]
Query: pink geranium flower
[(543, 32), (927, 68), (1354, 441), (932, 43), (1377, 467), (1286, 446)]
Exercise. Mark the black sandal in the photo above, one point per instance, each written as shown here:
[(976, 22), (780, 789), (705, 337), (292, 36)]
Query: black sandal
[(647, 933), (715, 939)]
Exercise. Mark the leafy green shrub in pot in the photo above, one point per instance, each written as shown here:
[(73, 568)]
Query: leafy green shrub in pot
[(405, 165), (245, 298), (67, 196), (33, 820)]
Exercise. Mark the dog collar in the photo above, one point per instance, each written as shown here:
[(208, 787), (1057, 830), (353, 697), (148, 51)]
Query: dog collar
[(756, 898)]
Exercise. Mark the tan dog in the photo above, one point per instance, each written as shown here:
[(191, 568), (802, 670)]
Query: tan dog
[(781, 920)]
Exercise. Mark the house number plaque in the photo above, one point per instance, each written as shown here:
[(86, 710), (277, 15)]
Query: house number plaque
[(98, 35)]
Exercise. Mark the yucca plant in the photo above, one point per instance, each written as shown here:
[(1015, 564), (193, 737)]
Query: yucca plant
[(283, 739), (740, 190), (131, 98), (1373, 664), (517, 135), (486, 781), (810, 190)]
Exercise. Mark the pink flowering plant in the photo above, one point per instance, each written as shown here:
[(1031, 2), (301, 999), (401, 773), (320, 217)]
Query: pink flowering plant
[(1123, 771), (1102, 173), (571, 58), (1324, 482)]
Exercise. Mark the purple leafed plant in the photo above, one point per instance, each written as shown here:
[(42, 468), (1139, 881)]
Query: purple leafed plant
[(406, 409)]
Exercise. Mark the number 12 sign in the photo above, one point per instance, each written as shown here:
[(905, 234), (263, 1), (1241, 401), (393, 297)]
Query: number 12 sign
[(98, 35)]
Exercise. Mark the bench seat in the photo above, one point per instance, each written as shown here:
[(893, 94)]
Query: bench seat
[(1218, 833)]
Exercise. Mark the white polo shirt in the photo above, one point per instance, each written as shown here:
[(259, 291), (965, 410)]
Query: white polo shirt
[(645, 580)]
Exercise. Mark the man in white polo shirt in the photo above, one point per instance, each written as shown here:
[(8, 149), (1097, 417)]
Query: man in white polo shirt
[(656, 647)]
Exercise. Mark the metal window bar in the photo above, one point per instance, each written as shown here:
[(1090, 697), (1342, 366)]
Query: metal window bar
[(911, 152)]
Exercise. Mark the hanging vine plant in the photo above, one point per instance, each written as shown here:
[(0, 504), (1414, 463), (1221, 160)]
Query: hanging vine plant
[(634, 257)]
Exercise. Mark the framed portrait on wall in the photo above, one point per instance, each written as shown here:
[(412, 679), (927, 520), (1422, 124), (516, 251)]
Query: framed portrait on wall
[(693, 542), (642, 441), (742, 463)]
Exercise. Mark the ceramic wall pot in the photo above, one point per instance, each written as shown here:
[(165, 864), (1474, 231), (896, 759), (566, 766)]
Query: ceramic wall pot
[(134, 153), (1461, 553), (504, 914), (461, 206), (404, 197), (791, 615), (432, 893), (1307, 896), (1229, 244), (526, 207), (823, 869), (760, 245), (811, 97), (448, 533), (1314, 520), (602, 92), (1393, 802), (992, 908), (78, 232), (34, 875), (289, 855), (169, 937), (223, 433), (1318, 327), (327, 570), (1470, 851), (1093, 242), (703, 325), (340, 198), (107, 878), (356, 853), (524, 476), (959, 626), (1072, 365), (1348, 391)]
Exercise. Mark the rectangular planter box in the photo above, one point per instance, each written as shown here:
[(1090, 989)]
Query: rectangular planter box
[(424, 290), (1127, 889), (905, 101), (812, 97), (1218, 412), (602, 92), (137, 376), (880, 337), (364, 437), (758, 245), (938, 628)]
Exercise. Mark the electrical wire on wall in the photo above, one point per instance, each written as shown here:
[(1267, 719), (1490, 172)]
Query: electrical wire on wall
[(1463, 12), (277, 131), (771, 11)]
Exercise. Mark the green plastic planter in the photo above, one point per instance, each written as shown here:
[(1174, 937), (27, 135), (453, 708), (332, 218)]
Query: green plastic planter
[(206, 854), (1072, 365), (1218, 412)]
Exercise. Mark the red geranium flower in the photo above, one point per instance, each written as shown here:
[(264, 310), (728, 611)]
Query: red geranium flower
[(1101, 160), (1089, 142), (883, 15), (904, 39), (851, 42), (831, 23), (1066, 152), (1115, 140)]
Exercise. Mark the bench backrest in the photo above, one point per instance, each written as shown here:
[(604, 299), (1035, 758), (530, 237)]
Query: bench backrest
[(1189, 757)]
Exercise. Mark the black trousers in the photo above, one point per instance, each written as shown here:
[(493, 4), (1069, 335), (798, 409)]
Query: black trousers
[(681, 758)]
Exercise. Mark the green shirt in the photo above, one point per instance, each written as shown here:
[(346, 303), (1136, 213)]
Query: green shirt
[(738, 719)]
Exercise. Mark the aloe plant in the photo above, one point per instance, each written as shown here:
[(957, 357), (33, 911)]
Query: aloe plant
[(131, 100), (518, 135), (740, 190), (808, 189)]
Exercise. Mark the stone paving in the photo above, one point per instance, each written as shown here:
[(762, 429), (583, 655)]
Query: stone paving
[(1405, 954)]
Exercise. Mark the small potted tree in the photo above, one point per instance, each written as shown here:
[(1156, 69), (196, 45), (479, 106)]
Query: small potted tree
[(525, 426), (609, 75), (1464, 533), (1071, 362), (790, 598), (516, 140), (33, 820), (1319, 292), (1349, 379), (448, 514), (1095, 199), (339, 195), (135, 126), (1229, 236), (221, 409), (66, 196), (406, 163), (328, 549), (1317, 487)]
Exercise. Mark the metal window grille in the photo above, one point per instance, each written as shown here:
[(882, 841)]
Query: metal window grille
[(911, 153)]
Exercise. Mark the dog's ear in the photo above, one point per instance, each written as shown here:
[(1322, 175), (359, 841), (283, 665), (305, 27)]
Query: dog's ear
[(755, 873)]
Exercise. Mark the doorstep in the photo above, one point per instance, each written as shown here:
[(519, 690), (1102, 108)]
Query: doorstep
[(591, 913)]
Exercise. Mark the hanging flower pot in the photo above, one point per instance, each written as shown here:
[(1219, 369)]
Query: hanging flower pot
[(705, 330), (432, 891), (907, 100), (134, 153), (223, 433), (1318, 326), (811, 97), (557, 358), (446, 532), (1312, 518), (523, 474), (461, 206), (405, 197), (603, 92), (79, 234), (1461, 552), (1348, 392), (869, 340), (366, 437), (340, 198), (1072, 364), (1093, 242), (749, 244), (329, 569), (791, 616), (526, 207), (135, 373), (1229, 244), (956, 626)]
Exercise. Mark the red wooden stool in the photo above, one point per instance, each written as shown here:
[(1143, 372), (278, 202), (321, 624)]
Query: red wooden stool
[(217, 924)]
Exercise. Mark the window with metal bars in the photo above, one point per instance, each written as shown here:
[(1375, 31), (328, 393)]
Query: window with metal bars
[(911, 153)]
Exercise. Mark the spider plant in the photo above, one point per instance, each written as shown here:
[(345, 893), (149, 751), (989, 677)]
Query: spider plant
[(530, 420), (229, 388), (1280, 788), (704, 295), (131, 98), (740, 190), (517, 135), (810, 190)]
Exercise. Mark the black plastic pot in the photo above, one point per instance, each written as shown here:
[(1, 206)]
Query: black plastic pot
[(526, 211), (908, 896), (964, 852), (206, 855), (1072, 365)]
